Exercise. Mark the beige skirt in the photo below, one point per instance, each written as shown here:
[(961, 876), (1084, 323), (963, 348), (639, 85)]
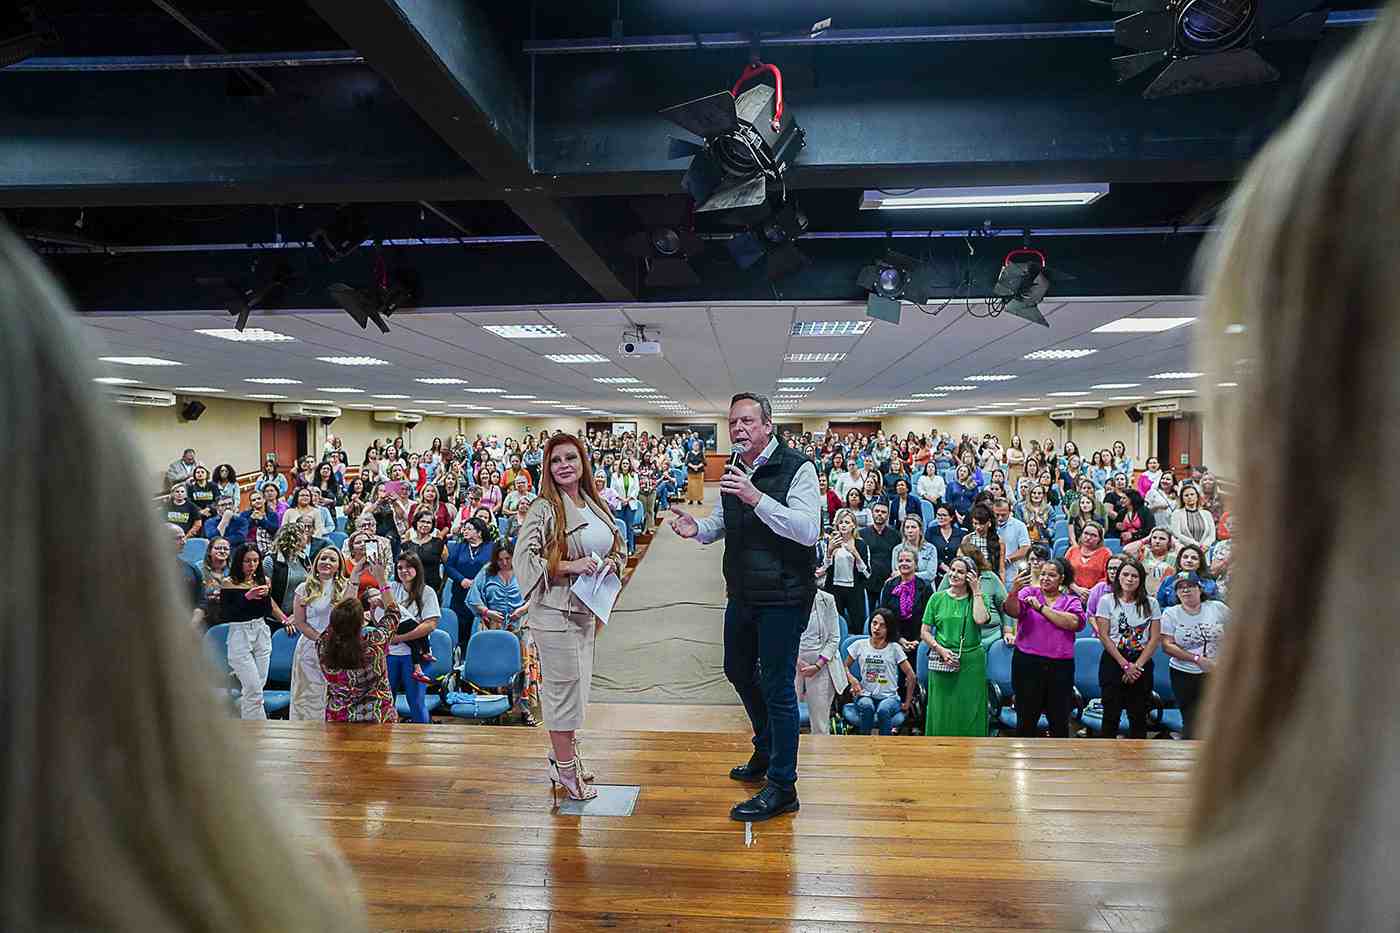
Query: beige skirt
[(695, 487), (566, 666)]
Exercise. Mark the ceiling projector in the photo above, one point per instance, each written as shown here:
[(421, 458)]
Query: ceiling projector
[(639, 348)]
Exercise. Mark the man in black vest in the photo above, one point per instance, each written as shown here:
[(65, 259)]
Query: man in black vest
[(769, 516)]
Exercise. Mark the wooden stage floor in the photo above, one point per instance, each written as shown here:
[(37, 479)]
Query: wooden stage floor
[(451, 828)]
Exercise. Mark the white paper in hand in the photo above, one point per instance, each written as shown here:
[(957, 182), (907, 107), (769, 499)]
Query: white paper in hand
[(598, 591)]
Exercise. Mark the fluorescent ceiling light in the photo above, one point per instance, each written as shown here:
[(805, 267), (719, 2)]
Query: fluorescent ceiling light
[(795, 390), (1126, 398), (1174, 375), (429, 401), (316, 401), (353, 360), (275, 381), (469, 406), (197, 389), (956, 388), (139, 361), (359, 405), (247, 335), (1233, 329), (517, 396), (1176, 392), (117, 381), (1116, 385), (391, 396), (1226, 385), (1086, 403), (342, 390), (1067, 394), (829, 328), (616, 380), (814, 357), (524, 331), (639, 390), (266, 396), (1028, 400), (485, 391), (1141, 325), (1065, 354), (989, 196), (801, 379), (929, 394), (442, 381), (575, 358), (1000, 405), (991, 377)]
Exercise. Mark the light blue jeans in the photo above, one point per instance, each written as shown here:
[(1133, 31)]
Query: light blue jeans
[(886, 710)]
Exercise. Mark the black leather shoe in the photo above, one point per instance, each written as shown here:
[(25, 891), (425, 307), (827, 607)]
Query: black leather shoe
[(755, 770), (770, 802)]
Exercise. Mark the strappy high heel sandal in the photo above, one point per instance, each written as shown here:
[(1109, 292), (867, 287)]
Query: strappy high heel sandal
[(565, 774), (584, 771)]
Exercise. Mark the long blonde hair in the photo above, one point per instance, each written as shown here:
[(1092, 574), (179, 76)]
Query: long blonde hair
[(339, 584), (554, 499), (1293, 821), (127, 800)]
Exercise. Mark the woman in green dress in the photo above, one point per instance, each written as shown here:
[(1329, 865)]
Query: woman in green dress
[(957, 701)]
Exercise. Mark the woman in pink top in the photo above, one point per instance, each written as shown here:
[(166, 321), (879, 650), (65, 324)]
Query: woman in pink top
[(1042, 667)]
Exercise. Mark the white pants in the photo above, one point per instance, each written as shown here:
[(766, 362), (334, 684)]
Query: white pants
[(817, 692), (249, 653), (308, 683)]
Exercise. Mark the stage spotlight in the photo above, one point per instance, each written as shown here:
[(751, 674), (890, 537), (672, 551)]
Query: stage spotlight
[(342, 236), (893, 278), (21, 34), (241, 300), (1023, 281), (1206, 45), (774, 238), (749, 141), (667, 244), (389, 293)]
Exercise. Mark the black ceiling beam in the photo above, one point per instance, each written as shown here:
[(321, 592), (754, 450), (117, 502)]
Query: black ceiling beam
[(331, 134), (446, 62)]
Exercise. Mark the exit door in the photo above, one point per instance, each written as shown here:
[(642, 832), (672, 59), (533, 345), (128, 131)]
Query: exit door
[(286, 439), (1180, 438)]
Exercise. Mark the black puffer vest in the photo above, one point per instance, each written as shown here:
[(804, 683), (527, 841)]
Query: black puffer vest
[(761, 567)]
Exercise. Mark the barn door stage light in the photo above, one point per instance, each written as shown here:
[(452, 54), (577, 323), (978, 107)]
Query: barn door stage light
[(1207, 45), (749, 141), (1021, 284), (894, 278)]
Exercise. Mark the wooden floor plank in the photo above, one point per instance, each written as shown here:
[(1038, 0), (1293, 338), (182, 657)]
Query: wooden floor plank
[(454, 828)]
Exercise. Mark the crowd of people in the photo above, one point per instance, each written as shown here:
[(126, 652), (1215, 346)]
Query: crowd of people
[(952, 543)]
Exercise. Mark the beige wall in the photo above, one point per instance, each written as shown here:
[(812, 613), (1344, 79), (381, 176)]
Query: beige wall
[(227, 432)]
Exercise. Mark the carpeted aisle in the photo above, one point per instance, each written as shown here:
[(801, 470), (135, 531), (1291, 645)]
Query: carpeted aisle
[(665, 642)]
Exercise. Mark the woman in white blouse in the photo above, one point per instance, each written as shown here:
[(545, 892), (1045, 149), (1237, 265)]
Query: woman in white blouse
[(932, 486)]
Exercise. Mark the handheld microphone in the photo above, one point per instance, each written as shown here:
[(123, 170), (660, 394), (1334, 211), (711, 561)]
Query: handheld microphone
[(740, 449)]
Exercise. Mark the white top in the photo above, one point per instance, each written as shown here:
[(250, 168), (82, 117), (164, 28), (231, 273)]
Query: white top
[(597, 536), (799, 520), (1128, 627), (879, 670), (932, 487), (1196, 634), (844, 483), (430, 610), (843, 568), (318, 613)]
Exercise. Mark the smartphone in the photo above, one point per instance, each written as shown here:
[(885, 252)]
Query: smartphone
[(372, 550)]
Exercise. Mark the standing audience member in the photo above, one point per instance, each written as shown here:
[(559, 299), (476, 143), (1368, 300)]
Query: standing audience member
[(419, 613), (1128, 623), (311, 608), (1192, 524), (353, 651), (695, 473), (1191, 633), (214, 571), (819, 676), (906, 596), (881, 538), (957, 698), (1042, 666), (246, 605), (844, 568), (1088, 560), (181, 471)]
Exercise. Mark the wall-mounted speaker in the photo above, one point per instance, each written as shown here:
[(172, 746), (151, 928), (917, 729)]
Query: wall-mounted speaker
[(1059, 422), (1133, 414), (327, 422), (192, 410)]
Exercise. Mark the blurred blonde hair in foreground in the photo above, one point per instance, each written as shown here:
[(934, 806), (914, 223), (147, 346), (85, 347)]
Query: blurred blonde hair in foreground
[(127, 801), (1295, 824)]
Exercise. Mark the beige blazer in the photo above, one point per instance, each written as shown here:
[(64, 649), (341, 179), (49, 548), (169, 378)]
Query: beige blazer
[(824, 623), (532, 561)]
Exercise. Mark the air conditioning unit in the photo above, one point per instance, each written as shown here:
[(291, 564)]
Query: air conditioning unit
[(397, 417), (152, 398), (1075, 414), (298, 410), (1160, 408)]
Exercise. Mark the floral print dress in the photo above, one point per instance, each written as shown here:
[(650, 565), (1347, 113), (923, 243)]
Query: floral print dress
[(362, 695)]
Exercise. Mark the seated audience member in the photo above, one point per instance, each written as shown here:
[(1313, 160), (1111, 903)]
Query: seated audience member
[(1192, 631), (906, 596), (190, 579), (202, 494), (520, 490), (843, 566), (1218, 557), (880, 661), (181, 471), (957, 699), (180, 512), (273, 500), (1128, 623), (1048, 617), (225, 482), (819, 679), (1088, 560), (1189, 559), (1191, 523)]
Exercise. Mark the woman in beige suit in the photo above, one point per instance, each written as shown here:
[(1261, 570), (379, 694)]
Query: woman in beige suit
[(820, 676), (563, 531)]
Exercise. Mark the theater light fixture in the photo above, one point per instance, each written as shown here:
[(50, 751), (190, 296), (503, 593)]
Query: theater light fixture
[(985, 197), (893, 278)]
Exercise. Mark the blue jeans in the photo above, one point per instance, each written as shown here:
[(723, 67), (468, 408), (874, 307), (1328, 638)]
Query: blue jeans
[(401, 681), (629, 517), (885, 711), (760, 660)]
